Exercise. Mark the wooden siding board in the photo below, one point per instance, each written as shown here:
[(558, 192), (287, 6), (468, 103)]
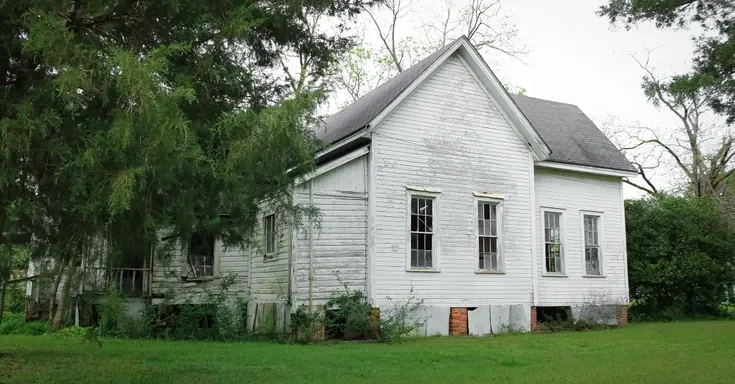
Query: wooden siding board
[(576, 192), (449, 135), (339, 248)]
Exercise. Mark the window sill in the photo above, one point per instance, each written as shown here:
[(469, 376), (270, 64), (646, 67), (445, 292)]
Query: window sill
[(198, 279), (424, 270), (554, 275), (594, 276), (270, 257), (488, 272)]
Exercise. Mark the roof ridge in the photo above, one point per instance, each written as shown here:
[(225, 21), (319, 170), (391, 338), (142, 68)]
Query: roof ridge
[(546, 100)]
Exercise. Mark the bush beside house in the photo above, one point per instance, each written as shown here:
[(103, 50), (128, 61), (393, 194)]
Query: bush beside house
[(681, 257)]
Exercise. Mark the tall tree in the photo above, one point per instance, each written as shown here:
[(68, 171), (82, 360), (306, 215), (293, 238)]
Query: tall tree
[(691, 97), (715, 47), (123, 117), (405, 38), (699, 146)]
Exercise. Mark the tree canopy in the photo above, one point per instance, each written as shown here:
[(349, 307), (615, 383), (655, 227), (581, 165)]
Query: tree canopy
[(122, 117), (714, 66)]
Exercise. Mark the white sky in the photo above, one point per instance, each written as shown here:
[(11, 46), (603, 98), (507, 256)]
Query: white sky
[(577, 57)]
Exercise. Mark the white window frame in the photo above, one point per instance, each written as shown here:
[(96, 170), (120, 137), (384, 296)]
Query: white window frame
[(266, 254), (435, 251), (500, 234), (601, 241), (563, 228)]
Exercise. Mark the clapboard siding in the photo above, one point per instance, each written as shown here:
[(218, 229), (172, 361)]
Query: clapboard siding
[(339, 242), (348, 177), (269, 277), (574, 193), (449, 135), (166, 278)]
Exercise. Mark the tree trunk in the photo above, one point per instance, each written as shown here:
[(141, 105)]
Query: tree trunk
[(52, 300), (59, 316), (2, 299)]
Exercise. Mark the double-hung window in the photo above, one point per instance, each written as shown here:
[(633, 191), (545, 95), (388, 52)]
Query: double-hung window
[(553, 252), (488, 236), (592, 251), (423, 233), (269, 235)]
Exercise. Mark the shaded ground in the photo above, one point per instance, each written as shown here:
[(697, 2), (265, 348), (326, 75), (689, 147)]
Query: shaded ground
[(695, 352)]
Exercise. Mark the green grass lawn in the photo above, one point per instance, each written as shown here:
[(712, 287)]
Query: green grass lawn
[(695, 352)]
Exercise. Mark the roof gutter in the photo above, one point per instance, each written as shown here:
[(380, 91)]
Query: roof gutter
[(360, 133), (586, 169)]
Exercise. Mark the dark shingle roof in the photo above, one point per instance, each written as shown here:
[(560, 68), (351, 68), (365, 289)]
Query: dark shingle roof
[(358, 114), (572, 137)]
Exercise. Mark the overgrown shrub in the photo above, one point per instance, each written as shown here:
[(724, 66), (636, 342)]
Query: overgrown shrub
[(211, 316), (681, 255), (306, 327), (351, 317), (401, 320), (348, 318), (75, 332), (111, 312), (15, 298), (15, 324)]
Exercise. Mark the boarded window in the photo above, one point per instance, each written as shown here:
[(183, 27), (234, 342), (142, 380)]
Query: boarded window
[(552, 242), (201, 255), (422, 232), (592, 254), (269, 235), (488, 237)]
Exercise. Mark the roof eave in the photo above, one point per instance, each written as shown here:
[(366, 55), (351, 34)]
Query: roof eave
[(586, 169)]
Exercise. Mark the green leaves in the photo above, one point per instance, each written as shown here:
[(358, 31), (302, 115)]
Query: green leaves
[(119, 119), (714, 67), (681, 255)]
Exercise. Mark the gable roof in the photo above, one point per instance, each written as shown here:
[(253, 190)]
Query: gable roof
[(572, 136), (359, 113), (564, 129)]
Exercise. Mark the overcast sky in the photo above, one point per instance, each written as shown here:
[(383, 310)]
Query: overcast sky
[(576, 57)]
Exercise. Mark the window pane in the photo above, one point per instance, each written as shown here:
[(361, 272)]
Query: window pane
[(592, 260), (421, 224), (487, 230), (552, 238), (269, 233), (591, 230), (422, 227)]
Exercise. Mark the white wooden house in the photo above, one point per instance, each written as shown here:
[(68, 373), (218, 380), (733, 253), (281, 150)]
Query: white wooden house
[(441, 186)]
